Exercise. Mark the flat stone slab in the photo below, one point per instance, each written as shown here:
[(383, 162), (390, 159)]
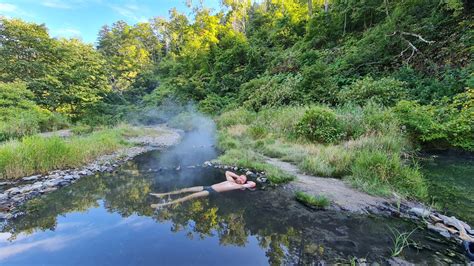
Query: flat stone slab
[(341, 194)]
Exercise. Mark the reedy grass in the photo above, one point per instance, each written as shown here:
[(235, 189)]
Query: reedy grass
[(401, 240), (35, 154), (370, 159)]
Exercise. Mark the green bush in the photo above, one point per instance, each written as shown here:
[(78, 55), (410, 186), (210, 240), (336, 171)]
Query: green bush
[(320, 124), (20, 116), (236, 116), (385, 91), (271, 91), (420, 122)]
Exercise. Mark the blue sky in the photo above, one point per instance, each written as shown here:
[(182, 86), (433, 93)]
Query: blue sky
[(84, 18)]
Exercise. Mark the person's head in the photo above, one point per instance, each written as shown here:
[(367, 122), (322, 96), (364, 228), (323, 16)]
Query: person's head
[(241, 179)]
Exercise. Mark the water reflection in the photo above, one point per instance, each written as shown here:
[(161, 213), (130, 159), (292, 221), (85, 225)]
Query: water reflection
[(107, 219), (451, 179)]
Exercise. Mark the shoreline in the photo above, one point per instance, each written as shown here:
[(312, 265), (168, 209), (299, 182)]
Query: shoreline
[(27, 188)]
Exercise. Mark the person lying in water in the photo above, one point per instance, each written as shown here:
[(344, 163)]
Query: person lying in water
[(233, 182)]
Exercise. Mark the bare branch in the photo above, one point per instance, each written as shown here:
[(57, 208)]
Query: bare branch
[(418, 36)]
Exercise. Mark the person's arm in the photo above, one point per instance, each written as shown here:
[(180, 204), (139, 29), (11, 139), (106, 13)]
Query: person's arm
[(231, 176)]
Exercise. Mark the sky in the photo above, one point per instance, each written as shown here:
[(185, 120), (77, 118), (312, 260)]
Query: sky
[(83, 18)]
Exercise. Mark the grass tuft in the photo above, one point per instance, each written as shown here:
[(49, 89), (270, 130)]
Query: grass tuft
[(320, 202)]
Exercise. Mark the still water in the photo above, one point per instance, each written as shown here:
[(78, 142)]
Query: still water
[(107, 220), (451, 183)]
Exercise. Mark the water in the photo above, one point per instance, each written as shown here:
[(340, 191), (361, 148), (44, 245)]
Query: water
[(451, 180), (107, 220)]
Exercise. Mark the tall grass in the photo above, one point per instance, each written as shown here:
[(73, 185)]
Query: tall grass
[(36, 154), (372, 157)]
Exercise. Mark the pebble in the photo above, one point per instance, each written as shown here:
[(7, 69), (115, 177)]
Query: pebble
[(31, 178), (420, 212)]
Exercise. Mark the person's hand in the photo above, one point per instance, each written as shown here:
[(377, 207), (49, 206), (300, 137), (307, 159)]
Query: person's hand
[(251, 184)]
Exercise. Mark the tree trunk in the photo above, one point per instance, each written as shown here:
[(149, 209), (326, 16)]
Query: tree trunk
[(326, 5)]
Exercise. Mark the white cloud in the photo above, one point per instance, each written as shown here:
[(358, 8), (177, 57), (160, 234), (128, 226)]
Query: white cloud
[(8, 8), (129, 11), (56, 4)]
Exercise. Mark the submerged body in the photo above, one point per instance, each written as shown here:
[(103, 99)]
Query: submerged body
[(233, 182)]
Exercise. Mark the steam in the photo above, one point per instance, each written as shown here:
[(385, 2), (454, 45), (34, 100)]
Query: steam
[(198, 143)]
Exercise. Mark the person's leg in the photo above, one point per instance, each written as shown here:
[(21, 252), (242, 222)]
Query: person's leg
[(184, 190), (188, 197)]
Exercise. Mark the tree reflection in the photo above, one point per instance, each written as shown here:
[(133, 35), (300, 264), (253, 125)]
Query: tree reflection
[(289, 234), (127, 193)]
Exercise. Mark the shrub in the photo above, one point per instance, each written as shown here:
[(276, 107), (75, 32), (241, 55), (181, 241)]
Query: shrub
[(419, 121), (319, 202), (271, 91), (385, 91), (20, 116), (320, 124), (236, 116)]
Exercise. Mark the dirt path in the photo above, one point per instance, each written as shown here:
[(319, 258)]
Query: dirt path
[(342, 195)]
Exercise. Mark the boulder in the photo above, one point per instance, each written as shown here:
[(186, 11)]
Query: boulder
[(419, 212), (31, 178)]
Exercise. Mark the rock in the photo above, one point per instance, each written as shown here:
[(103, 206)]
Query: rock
[(420, 212), (442, 231), (13, 191), (470, 231), (5, 216), (3, 196), (48, 189), (69, 177), (395, 261), (262, 179), (31, 178)]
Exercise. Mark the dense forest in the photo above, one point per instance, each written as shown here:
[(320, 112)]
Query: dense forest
[(394, 74)]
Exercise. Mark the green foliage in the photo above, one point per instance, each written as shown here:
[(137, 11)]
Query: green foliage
[(36, 154), (66, 76), (385, 91), (419, 121), (257, 132), (320, 124), (376, 172), (236, 116), (271, 91), (19, 114), (319, 202)]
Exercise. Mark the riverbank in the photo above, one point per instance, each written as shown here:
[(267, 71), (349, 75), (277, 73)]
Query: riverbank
[(15, 193)]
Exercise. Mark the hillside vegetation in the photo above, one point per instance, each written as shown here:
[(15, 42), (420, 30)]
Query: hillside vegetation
[(342, 88)]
